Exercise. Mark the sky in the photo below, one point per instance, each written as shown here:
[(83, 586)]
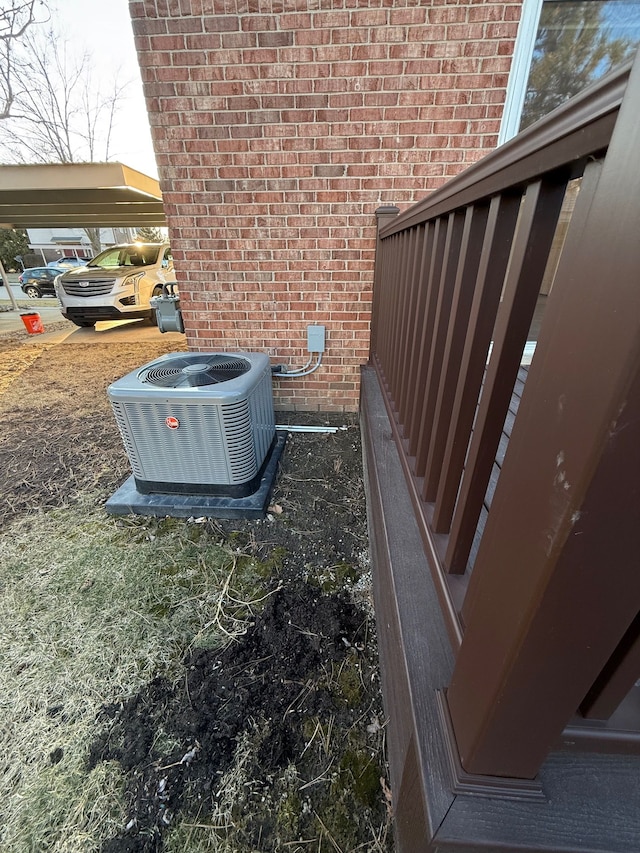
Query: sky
[(103, 29)]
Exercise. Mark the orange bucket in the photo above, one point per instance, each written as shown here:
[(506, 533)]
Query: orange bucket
[(33, 323)]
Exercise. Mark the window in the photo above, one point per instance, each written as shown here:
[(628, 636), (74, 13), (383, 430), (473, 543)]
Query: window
[(563, 46)]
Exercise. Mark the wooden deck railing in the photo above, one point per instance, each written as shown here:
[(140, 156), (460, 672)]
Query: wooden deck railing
[(542, 611)]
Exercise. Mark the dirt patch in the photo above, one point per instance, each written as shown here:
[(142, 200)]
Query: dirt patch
[(58, 431), (274, 741), (289, 669)]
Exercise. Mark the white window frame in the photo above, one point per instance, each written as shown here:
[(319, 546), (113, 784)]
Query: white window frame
[(520, 67)]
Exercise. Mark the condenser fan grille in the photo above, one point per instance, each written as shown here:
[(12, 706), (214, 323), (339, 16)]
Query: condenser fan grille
[(195, 371)]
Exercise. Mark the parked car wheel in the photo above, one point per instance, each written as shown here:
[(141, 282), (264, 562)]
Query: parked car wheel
[(32, 291), (84, 324)]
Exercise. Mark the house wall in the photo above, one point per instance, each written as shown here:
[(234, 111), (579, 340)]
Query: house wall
[(279, 128)]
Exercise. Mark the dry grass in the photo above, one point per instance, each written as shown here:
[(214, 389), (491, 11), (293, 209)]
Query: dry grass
[(16, 360), (92, 608)]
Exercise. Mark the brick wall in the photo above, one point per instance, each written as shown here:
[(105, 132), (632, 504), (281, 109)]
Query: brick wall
[(279, 128)]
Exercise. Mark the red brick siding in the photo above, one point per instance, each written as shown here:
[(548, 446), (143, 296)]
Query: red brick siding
[(280, 127)]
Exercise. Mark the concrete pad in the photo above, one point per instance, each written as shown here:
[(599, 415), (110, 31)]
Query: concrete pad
[(127, 500)]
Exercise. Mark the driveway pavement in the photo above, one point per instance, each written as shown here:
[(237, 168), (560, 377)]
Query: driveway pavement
[(11, 321), (115, 331), (120, 331)]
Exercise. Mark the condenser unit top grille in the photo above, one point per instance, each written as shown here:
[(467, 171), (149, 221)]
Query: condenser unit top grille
[(195, 370)]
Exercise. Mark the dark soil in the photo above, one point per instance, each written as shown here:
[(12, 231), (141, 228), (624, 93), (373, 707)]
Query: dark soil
[(296, 700), (267, 687)]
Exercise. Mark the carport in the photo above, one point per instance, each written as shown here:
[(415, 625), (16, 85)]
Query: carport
[(79, 195)]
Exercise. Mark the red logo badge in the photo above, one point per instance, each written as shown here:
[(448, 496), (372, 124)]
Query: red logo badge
[(172, 423)]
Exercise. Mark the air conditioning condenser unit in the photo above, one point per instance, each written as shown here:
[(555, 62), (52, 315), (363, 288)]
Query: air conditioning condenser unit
[(197, 423)]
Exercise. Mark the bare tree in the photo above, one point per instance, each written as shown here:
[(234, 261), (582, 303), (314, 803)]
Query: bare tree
[(15, 19), (59, 113), (95, 238), (149, 234)]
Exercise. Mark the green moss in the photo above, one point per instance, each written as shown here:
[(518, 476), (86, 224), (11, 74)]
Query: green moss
[(354, 794), (288, 815), (363, 772), (335, 578), (348, 685), (309, 728), (268, 567)]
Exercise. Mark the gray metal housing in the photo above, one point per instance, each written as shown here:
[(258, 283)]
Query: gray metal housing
[(224, 432)]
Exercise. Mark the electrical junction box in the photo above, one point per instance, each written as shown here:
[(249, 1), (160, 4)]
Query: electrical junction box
[(315, 338)]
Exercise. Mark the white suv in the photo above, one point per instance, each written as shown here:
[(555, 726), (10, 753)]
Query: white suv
[(116, 285)]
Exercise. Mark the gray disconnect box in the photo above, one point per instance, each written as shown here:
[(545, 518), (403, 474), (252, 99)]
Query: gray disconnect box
[(315, 338)]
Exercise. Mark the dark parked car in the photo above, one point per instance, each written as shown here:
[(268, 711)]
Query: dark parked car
[(38, 281)]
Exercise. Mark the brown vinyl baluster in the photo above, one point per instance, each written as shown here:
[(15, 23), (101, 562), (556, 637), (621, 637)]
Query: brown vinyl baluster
[(435, 269), (553, 599), (470, 250), (387, 295), (404, 339), (503, 215), (386, 303), (394, 279), (415, 321), (381, 286), (616, 679), (556, 585), (534, 235), (436, 350), (394, 308), (402, 302)]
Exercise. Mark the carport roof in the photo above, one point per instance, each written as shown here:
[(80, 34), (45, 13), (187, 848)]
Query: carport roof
[(78, 195)]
